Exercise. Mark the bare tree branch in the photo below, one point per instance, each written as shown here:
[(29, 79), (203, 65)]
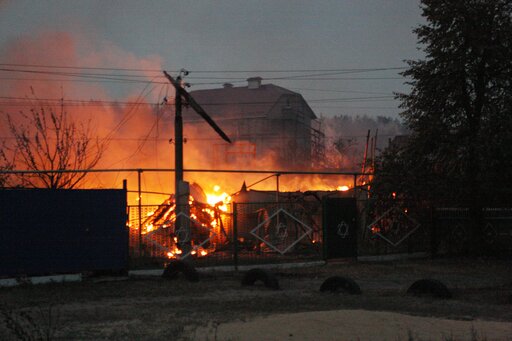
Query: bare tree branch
[(47, 139)]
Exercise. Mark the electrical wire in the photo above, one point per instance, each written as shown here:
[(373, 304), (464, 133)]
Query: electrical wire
[(76, 67), (18, 100), (80, 67), (131, 76), (342, 91)]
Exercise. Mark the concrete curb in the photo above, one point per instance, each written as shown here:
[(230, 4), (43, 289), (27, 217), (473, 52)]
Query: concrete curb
[(12, 282), (230, 268)]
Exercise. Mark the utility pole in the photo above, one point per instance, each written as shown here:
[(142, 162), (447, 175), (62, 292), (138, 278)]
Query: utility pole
[(178, 137), (181, 188), (182, 209), (365, 152)]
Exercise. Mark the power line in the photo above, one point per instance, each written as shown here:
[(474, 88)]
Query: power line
[(189, 139), (308, 79), (118, 81), (110, 75), (123, 78), (342, 91), (318, 75), (127, 78), (76, 67), (302, 70), (21, 101), (358, 107), (81, 67)]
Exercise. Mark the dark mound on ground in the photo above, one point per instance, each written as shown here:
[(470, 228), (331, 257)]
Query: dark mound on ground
[(429, 287), (340, 284), (269, 280), (175, 267)]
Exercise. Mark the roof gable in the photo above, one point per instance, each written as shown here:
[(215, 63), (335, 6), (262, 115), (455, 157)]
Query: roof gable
[(233, 101)]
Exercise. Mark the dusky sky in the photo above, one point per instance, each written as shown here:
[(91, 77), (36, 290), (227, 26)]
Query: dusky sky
[(342, 56)]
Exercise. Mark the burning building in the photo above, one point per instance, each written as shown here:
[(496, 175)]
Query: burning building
[(263, 119), (253, 222)]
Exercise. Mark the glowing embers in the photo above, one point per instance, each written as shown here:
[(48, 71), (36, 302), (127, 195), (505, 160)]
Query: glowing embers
[(393, 226), (183, 228), (180, 235), (281, 231)]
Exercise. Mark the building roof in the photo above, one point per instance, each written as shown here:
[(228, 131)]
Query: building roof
[(231, 101)]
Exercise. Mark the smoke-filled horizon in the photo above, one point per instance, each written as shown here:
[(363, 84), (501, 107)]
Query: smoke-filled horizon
[(120, 105)]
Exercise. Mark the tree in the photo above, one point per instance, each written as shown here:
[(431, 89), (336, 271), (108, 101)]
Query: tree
[(5, 165), (459, 109), (47, 140)]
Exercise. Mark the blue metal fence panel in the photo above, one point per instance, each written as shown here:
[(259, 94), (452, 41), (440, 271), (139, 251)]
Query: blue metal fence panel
[(57, 231)]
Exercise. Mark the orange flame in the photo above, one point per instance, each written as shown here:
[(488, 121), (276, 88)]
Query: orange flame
[(218, 199)]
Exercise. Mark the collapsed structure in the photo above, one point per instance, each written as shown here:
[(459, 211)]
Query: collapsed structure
[(253, 222)]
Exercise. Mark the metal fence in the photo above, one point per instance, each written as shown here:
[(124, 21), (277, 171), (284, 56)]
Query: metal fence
[(453, 229), (287, 231), (247, 233), (45, 231), (393, 227), (292, 226), (276, 232)]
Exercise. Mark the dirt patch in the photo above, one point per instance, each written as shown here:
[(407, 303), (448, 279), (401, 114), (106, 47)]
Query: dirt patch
[(149, 308), (354, 325)]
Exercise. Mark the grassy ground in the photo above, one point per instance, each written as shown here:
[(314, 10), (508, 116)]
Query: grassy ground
[(149, 308)]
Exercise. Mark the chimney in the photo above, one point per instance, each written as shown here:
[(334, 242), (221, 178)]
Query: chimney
[(254, 82), (227, 85)]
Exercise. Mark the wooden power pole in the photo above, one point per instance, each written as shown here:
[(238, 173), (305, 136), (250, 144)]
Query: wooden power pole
[(182, 222)]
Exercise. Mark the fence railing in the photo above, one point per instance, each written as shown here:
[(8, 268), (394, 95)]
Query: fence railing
[(453, 228), (393, 227)]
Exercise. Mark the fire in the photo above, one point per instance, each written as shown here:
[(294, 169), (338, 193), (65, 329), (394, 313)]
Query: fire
[(213, 199), (205, 222), (210, 217)]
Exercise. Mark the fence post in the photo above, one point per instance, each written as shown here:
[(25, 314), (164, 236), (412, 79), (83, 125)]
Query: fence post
[(235, 236), (139, 197), (324, 230), (277, 187), (433, 233), (354, 194), (127, 218)]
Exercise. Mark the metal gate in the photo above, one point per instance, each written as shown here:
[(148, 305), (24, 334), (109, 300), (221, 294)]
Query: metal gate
[(276, 232), (340, 227)]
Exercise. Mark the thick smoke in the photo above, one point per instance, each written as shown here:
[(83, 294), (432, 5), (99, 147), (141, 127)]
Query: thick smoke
[(347, 139), (129, 131), (137, 135)]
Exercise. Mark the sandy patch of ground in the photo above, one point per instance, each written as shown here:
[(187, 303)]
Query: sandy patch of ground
[(355, 325)]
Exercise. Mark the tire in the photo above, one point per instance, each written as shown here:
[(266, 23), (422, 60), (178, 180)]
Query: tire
[(269, 280), (340, 284), (429, 288), (175, 267)]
